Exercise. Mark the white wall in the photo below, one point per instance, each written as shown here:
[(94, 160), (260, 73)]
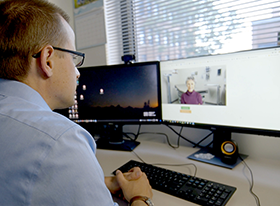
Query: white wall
[(253, 145), (94, 55), (67, 6)]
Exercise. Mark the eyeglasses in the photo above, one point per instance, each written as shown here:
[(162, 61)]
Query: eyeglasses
[(78, 57)]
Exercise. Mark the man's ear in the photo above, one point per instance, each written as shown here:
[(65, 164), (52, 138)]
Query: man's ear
[(46, 60)]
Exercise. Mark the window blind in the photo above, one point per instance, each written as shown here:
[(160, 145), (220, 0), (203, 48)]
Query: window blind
[(164, 30), (120, 30)]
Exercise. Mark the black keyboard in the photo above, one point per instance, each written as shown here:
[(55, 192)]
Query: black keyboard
[(190, 188)]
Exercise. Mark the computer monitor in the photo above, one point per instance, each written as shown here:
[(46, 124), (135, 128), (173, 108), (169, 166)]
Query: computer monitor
[(235, 92), (113, 95)]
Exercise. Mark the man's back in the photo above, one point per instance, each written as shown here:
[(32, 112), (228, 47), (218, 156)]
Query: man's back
[(41, 151)]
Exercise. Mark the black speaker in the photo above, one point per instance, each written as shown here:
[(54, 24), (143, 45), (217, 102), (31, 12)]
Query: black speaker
[(229, 152)]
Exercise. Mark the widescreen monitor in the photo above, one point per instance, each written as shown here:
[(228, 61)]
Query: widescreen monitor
[(235, 92), (113, 95)]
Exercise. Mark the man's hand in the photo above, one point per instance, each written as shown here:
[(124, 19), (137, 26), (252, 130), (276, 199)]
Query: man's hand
[(112, 183), (134, 187)]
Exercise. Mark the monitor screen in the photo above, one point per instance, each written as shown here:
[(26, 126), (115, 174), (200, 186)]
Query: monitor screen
[(114, 95), (119, 94), (236, 92)]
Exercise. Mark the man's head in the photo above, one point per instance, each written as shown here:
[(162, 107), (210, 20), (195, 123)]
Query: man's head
[(25, 28), (190, 84), (35, 39)]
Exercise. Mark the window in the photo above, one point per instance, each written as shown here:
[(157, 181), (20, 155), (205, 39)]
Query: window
[(153, 29)]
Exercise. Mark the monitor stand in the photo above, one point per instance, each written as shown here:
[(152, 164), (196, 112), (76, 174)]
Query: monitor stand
[(111, 138), (214, 155), (125, 145)]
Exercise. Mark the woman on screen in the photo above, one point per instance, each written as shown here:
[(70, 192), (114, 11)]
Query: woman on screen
[(191, 96)]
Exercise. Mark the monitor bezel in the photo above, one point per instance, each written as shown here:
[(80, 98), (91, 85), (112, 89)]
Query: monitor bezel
[(233, 129), (130, 121)]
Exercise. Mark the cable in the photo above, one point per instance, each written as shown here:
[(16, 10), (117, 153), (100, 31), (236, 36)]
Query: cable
[(158, 133), (179, 137), (162, 164), (135, 135), (167, 138), (194, 144), (126, 134), (138, 157), (251, 183), (182, 136), (138, 132), (203, 139)]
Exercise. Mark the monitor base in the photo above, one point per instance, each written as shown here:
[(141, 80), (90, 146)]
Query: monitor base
[(125, 145), (206, 156)]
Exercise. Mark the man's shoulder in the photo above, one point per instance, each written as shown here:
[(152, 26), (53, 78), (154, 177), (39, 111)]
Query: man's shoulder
[(30, 115)]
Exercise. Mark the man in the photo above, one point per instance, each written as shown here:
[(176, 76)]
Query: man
[(47, 159)]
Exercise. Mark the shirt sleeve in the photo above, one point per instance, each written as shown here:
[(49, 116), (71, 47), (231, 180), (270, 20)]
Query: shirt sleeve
[(71, 174)]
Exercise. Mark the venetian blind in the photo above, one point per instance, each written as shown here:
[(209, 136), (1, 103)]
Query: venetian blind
[(163, 30)]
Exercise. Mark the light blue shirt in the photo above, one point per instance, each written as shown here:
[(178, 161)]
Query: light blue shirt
[(45, 159)]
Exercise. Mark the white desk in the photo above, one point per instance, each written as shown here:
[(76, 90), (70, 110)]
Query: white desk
[(266, 172)]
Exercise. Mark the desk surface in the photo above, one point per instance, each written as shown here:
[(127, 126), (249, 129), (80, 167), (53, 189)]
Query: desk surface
[(266, 172)]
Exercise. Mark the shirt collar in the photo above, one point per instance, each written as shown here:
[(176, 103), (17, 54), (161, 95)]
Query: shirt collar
[(21, 90)]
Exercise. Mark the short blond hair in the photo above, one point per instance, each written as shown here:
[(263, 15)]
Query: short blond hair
[(25, 28)]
